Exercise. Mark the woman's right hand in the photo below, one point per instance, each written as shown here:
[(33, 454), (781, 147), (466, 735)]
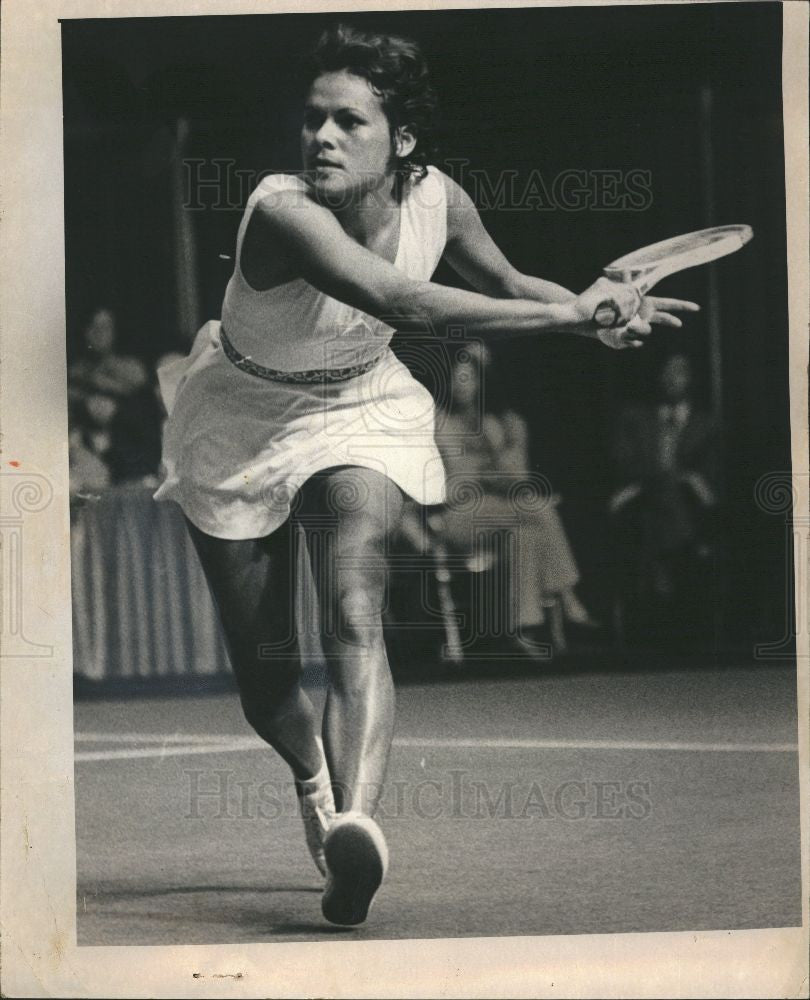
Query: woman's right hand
[(608, 310), (617, 314)]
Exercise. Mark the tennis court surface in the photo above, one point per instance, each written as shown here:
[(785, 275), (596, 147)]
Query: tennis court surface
[(557, 803)]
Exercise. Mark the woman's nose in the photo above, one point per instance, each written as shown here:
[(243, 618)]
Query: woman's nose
[(325, 136)]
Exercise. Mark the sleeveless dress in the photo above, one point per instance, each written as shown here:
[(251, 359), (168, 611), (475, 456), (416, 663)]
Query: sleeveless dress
[(237, 447)]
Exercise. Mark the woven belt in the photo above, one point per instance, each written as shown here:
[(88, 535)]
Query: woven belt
[(314, 375)]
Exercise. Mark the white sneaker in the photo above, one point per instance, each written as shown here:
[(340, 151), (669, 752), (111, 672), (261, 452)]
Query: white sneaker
[(357, 860), (317, 807)]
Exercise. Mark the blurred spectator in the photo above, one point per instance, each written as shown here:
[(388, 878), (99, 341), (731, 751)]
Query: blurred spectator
[(113, 404), (101, 370), (487, 454), (666, 460)]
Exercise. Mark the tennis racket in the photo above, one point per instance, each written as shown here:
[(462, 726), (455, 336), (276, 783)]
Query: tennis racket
[(644, 268)]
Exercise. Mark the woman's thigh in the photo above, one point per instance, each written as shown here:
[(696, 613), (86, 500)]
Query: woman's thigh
[(252, 582), (348, 514)]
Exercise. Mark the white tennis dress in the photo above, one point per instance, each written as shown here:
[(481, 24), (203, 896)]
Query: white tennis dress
[(239, 442)]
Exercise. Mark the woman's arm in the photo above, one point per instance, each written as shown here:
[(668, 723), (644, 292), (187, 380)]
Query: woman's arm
[(474, 255), (310, 237)]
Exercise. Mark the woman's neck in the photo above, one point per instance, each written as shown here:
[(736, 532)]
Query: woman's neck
[(371, 214)]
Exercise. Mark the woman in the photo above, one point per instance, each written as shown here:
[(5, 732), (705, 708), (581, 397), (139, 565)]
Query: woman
[(113, 403), (292, 419), (486, 461)]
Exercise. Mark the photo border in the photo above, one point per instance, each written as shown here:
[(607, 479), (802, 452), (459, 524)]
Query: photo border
[(38, 858)]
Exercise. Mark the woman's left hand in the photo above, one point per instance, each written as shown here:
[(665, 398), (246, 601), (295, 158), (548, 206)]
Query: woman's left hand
[(653, 310)]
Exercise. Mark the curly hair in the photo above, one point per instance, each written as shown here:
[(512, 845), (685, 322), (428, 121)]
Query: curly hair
[(397, 73)]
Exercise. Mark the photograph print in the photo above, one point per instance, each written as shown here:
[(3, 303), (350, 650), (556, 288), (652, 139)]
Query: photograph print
[(430, 474)]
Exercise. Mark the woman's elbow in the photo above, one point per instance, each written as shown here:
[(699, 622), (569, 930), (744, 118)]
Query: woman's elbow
[(403, 306)]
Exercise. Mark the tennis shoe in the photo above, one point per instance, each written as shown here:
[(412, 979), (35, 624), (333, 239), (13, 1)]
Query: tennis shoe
[(317, 807), (356, 860)]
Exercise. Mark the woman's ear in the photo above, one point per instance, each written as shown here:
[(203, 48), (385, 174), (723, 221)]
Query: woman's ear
[(404, 141)]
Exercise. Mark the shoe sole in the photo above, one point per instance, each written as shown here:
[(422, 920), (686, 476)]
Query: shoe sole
[(356, 869)]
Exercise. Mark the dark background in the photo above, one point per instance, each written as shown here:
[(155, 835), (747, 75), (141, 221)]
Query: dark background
[(554, 89)]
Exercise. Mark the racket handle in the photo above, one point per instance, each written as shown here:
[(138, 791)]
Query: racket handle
[(606, 314)]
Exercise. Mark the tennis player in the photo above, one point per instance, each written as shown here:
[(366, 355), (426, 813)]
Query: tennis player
[(292, 420)]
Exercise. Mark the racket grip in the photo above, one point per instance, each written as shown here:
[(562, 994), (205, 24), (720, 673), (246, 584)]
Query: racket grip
[(606, 314)]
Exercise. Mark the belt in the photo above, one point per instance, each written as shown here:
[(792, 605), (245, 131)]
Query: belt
[(313, 375)]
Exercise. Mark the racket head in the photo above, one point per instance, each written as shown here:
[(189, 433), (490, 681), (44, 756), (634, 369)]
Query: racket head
[(648, 265)]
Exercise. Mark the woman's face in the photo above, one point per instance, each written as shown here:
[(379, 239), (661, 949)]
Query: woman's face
[(100, 334), (676, 378), (346, 140)]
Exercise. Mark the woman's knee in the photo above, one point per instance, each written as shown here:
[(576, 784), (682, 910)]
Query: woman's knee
[(356, 609), (353, 586)]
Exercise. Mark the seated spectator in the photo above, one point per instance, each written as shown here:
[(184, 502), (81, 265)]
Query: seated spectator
[(666, 460), (114, 404), (101, 370), (486, 457)]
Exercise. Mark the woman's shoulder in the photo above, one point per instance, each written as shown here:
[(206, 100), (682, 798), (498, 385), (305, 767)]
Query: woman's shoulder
[(428, 189), (280, 185), (271, 182), (459, 206), (454, 193)]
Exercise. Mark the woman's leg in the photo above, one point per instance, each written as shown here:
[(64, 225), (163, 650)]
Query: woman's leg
[(253, 586), (520, 593), (348, 514)]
